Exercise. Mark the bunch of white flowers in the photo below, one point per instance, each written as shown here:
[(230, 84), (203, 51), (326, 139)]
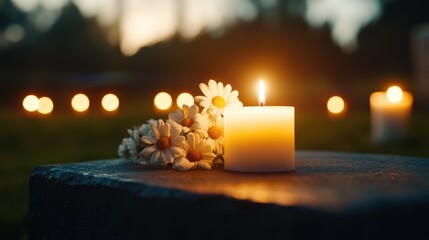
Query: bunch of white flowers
[(189, 138)]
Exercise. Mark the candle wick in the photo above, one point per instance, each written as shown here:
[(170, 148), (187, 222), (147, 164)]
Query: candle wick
[(261, 104)]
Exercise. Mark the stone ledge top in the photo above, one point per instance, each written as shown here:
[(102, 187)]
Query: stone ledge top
[(329, 181)]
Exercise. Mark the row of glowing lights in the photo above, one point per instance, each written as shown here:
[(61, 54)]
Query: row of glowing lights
[(163, 101), (336, 104), (110, 102)]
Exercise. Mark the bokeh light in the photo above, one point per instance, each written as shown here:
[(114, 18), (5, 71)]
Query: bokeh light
[(163, 101), (30, 103), (45, 105), (110, 102), (335, 105), (185, 98), (394, 94), (80, 102)]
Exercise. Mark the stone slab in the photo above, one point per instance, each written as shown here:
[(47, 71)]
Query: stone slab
[(330, 195)]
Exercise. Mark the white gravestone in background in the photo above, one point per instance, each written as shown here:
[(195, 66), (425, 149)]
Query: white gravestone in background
[(420, 53)]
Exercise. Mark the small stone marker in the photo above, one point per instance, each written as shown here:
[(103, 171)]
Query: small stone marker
[(330, 195)]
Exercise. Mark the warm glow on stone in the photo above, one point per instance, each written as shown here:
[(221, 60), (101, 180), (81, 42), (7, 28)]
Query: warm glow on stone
[(45, 105), (335, 104), (110, 102), (163, 101), (394, 94), (80, 102), (30, 103), (185, 98)]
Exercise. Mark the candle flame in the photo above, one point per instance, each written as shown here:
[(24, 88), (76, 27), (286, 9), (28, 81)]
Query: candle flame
[(261, 93), (394, 94)]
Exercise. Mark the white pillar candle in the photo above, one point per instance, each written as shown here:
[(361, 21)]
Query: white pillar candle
[(390, 113), (259, 139)]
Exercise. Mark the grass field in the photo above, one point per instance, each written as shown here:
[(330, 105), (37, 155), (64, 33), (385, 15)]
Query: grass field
[(27, 142)]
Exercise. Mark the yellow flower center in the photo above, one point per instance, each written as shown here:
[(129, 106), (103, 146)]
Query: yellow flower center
[(193, 156), (187, 122), (219, 102), (163, 143), (214, 132)]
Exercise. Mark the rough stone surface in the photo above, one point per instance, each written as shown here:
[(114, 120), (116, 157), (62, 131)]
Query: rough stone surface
[(330, 195)]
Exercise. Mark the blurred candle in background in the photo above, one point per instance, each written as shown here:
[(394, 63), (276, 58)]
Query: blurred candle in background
[(390, 113)]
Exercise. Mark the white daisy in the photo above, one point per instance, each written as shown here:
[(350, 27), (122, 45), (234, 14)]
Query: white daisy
[(144, 129), (217, 97), (185, 118), (132, 146), (212, 130), (165, 143), (134, 143), (197, 152), (122, 149)]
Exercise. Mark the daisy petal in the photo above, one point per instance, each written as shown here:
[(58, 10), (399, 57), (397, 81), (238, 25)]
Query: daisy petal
[(205, 89), (202, 133), (154, 158), (218, 148), (154, 130), (168, 156), (193, 111), (213, 87), (227, 90), (176, 116), (175, 126), (191, 139), (234, 94), (208, 156), (166, 130), (177, 140), (148, 140), (178, 151), (207, 147), (183, 164), (220, 88), (175, 132), (205, 164), (148, 151), (185, 110), (201, 98), (206, 103)]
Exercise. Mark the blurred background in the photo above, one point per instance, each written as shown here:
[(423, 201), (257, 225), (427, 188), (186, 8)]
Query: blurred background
[(306, 50)]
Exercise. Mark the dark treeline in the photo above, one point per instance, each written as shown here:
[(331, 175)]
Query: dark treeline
[(78, 45)]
